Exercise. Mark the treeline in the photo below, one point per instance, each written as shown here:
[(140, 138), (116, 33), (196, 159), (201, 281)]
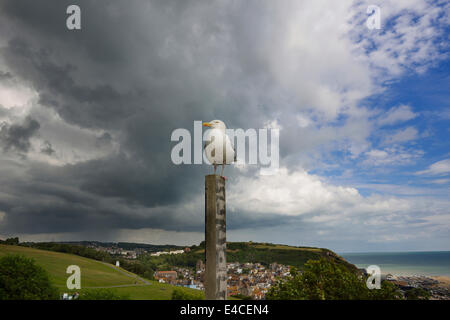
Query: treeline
[(72, 249), (126, 245), (137, 267), (10, 241), (166, 262), (148, 247)]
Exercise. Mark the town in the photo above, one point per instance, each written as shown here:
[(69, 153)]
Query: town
[(251, 280)]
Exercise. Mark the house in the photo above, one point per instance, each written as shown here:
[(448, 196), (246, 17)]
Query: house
[(232, 291), (257, 294), (166, 276)]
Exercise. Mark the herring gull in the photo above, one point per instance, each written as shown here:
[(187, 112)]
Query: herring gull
[(218, 147)]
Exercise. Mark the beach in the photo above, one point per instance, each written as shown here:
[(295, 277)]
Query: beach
[(444, 281)]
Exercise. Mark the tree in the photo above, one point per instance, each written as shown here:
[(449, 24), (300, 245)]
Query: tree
[(388, 291), (22, 279), (417, 294), (324, 279), (10, 241)]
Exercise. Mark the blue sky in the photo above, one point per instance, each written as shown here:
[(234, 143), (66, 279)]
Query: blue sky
[(426, 97)]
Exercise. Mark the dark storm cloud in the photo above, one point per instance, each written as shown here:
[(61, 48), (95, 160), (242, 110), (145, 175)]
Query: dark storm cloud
[(47, 148), (138, 70), (5, 76), (87, 106), (53, 205), (17, 136), (3, 111)]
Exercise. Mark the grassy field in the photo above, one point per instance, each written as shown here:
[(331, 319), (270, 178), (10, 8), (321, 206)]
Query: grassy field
[(155, 291), (93, 274)]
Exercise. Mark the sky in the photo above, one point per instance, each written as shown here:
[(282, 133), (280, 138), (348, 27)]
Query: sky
[(86, 118)]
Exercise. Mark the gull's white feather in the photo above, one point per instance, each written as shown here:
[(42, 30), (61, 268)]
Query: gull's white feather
[(218, 148)]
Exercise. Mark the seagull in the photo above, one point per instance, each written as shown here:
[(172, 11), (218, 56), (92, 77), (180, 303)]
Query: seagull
[(218, 147)]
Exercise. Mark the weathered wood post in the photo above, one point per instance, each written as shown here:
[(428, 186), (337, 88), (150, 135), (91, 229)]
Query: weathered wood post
[(215, 238)]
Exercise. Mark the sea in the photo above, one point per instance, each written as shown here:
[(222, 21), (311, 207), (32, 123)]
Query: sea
[(429, 263)]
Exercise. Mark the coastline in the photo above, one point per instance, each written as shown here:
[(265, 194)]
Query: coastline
[(408, 270), (444, 281), (438, 287)]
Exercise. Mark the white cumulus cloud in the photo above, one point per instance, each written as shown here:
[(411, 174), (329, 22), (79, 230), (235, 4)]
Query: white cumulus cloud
[(438, 168)]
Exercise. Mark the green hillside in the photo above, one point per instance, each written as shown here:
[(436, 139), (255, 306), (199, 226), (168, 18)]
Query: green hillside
[(264, 253), (94, 274), (267, 253)]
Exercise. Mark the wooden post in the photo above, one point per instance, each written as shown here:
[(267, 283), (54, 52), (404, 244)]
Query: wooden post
[(215, 238)]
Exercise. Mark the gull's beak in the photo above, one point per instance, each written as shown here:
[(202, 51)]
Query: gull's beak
[(206, 124)]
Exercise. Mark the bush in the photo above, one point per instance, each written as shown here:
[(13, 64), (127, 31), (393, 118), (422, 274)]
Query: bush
[(388, 291), (22, 279), (102, 294), (417, 294), (179, 294), (324, 279)]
